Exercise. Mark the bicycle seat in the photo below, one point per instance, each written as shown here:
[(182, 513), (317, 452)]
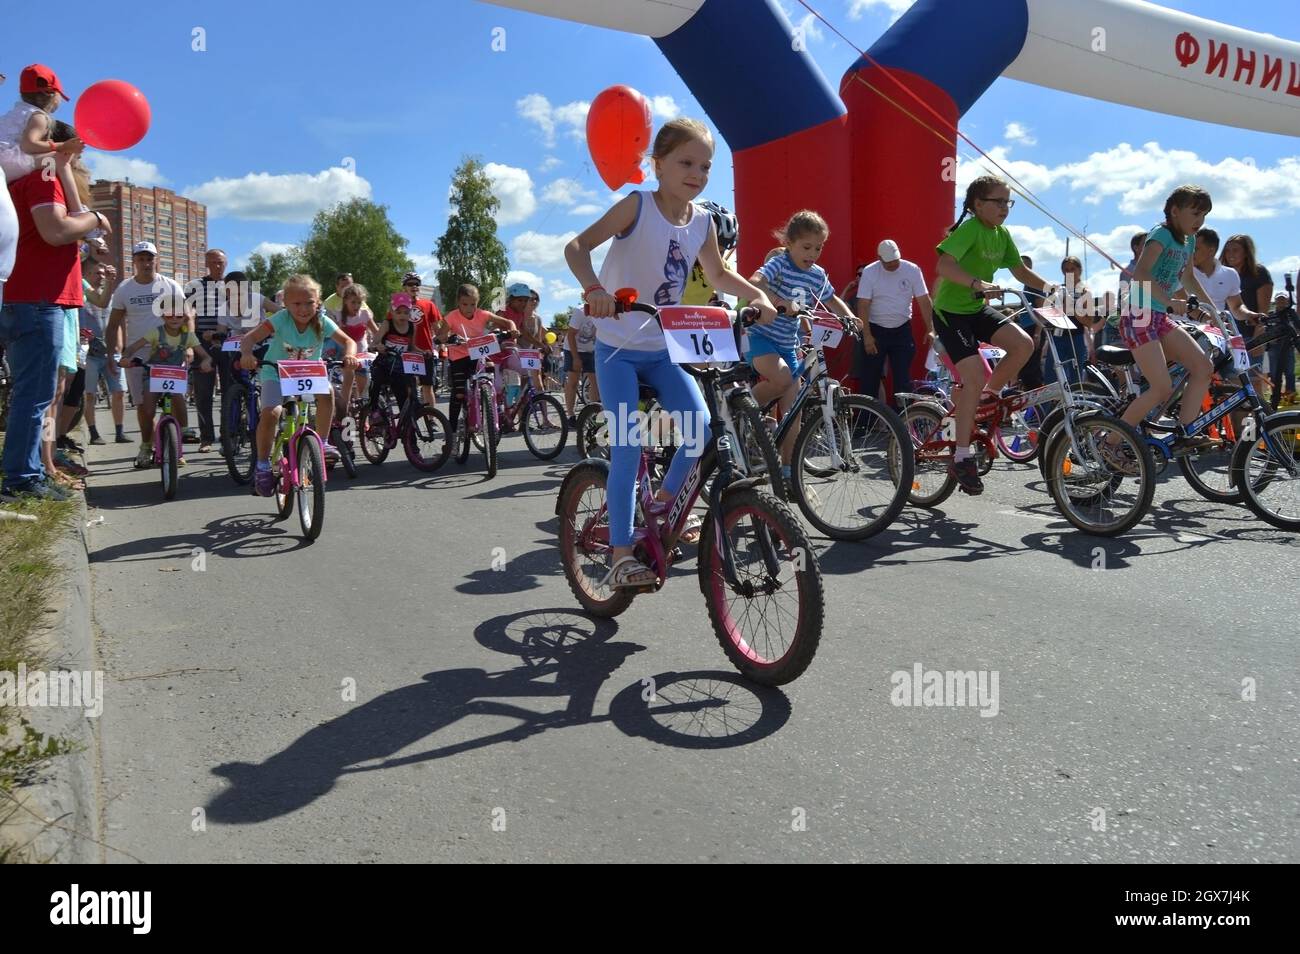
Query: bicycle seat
[(1114, 356)]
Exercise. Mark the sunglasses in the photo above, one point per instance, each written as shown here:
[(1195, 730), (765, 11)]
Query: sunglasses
[(1001, 203)]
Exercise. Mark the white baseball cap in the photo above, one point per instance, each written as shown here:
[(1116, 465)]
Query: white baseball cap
[(888, 251), (144, 247)]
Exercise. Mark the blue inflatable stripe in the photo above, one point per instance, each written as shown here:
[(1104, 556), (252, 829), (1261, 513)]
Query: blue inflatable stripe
[(959, 47), (737, 59)]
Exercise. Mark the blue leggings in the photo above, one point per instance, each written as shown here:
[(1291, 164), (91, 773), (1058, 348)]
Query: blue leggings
[(619, 374)]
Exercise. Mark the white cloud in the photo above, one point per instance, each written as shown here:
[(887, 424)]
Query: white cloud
[(531, 279), (106, 165), (896, 8), (566, 192), (514, 187), (265, 249), (292, 197), (1035, 176), (427, 266), (549, 163), (664, 107), (1016, 132), (559, 295), (589, 208), (540, 251), (536, 108)]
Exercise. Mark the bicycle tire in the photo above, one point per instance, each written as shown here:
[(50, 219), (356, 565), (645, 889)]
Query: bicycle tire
[(429, 431), (584, 545), (1254, 473), (490, 435), (924, 425), (169, 451), (757, 450), (311, 487), (1090, 428), (854, 415), (345, 447), (592, 433), (284, 490), (1222, 487), (541, 408), (374, 434), (238, 443), (755, 658)]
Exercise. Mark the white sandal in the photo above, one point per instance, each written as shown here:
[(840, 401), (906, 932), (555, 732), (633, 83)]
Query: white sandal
[(618, 577), (693, 525)]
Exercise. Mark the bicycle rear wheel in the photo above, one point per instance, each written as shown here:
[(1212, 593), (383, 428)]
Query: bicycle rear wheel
[(545, 429), (932, 484), (770, 623), (1018, 436), (1209, 472), (584, 541), (1100, 488), (427, 440), (1268, 474), (592, 432)]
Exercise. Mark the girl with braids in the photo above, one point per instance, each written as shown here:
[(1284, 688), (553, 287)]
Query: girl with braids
[(976, 247)]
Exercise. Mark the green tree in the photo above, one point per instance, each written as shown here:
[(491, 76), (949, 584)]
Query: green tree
[(271, 271), (469, 251), (560, 321), (356, 236)]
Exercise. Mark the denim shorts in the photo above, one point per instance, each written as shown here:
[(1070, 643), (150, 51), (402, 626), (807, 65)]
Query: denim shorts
[(95, 368)]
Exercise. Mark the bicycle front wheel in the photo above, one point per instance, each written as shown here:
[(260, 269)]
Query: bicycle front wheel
[(489, 430), (868, 464), (592, 432), (757, 448), (311, 487), (427, 440), (769, 622), (1267, 473), (375, 423), (237, 444), (545, 429), (169, 437), (1105, 485)]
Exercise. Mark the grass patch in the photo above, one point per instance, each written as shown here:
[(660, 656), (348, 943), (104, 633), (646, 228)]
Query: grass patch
[(28, 577)]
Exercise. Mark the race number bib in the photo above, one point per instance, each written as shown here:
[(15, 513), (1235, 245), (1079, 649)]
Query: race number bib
[(168, 380), (698, 334), (412, 363), (1240, 356), (303, 377), (484, 346), (364, 358), (826, 333), (530, 360), (992, 354), (230, 344)]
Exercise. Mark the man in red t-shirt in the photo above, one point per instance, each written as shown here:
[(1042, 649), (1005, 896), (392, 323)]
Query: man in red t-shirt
[(424, 315), (45, 280)]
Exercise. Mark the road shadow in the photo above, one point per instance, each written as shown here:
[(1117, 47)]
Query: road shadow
[(915, 529), (562, 657), (237, 537)]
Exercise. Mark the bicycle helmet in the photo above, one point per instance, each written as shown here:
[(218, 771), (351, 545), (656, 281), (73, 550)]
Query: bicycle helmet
[(412, 278), (725, 222)]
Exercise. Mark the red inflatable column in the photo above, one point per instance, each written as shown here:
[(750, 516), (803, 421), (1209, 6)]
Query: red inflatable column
[(903, 174)]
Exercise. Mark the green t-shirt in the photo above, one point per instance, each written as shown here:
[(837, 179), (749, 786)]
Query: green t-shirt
[(170, 349), (980, 251), (1167, 272)]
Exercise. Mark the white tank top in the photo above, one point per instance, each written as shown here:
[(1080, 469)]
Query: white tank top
[(13, 160), (14, 122), (655, 258)]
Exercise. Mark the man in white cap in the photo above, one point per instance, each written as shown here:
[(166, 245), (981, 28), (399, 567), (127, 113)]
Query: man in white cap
[(135, 305), (885, 294)]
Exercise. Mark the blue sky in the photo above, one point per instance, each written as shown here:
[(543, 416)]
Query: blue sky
[(294, 106)]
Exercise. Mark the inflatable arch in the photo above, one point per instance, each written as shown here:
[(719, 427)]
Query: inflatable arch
[(872, 170)]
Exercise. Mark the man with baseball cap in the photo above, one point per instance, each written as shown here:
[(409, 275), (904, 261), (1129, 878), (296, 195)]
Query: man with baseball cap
[(135, 304), (886, 291)]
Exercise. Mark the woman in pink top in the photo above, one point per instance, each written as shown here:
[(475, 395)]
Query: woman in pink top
[(468, 320)]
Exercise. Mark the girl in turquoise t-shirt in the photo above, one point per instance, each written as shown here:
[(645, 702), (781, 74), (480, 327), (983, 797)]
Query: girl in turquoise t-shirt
[(1164, 263), (297, 333), (968, 259)]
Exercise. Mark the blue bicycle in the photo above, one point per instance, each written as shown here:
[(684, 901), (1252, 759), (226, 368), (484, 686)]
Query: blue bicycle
[(240, 409)]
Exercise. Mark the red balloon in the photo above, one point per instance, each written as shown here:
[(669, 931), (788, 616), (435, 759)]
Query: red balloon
[(618, 134), (112, 114)]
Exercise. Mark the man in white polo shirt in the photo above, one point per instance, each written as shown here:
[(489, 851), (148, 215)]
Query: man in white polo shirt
[(1224, 287), (133, 305), (886, 291)]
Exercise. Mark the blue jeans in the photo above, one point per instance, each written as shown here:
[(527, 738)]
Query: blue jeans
[(1072, 347), (619, 374), (898, 346), (32, 336), (1281, 362)]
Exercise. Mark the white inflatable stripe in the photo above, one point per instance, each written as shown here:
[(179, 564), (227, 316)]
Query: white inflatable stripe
[(647, 17)]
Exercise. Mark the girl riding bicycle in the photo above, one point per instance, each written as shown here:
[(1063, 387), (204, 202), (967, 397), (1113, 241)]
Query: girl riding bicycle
[(358, 321), (395, 336), (297, 333), (968, 259), (796, 282), (466, 321), (1164, 264), (656, 236)]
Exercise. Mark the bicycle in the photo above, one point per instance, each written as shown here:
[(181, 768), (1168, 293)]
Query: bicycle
[(1086, 474), (537, 414), (479, 423), (752, 551), (169, 382), (343, 427), (241, 408), (297, 452), (422, 429), (852, 462)]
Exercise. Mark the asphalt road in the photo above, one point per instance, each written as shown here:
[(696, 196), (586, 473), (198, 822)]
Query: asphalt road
[(491, 721)]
